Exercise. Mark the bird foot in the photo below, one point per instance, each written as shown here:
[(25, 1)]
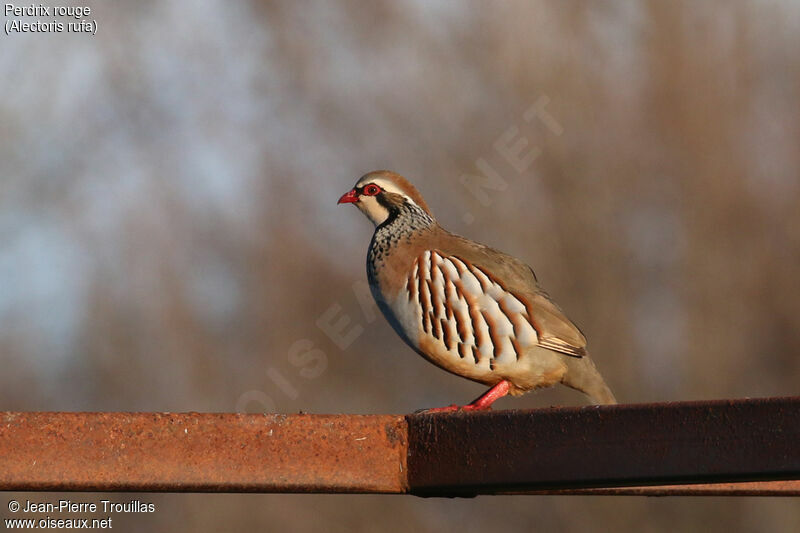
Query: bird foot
[(453, 408), (483, 403)]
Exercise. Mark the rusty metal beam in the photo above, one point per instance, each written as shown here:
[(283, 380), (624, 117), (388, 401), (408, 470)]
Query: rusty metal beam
[(198, 452), (740, 447), (747, 488), (718, 442)]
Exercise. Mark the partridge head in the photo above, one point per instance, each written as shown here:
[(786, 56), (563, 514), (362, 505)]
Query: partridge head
[(467, 308)]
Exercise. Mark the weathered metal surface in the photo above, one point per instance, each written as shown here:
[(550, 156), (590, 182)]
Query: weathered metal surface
[(202, 452), (748, 488), (742, 447), (609, 446)]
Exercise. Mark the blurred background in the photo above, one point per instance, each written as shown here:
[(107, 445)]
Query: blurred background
[(170, 239)]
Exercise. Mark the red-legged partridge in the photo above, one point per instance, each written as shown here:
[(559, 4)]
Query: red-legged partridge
[(463, 306)]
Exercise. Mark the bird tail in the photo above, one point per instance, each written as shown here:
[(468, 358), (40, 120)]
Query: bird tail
[(582, 375)]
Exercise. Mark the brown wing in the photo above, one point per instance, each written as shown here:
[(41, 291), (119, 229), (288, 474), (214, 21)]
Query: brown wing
[(555, 331)]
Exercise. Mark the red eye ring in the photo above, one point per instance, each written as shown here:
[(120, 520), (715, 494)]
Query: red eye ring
[(371, 189)]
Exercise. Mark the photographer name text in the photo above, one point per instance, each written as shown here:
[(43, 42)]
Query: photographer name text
[(69, 506)]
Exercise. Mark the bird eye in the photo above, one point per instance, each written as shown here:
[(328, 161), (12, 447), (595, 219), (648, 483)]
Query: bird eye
[(371, 189)]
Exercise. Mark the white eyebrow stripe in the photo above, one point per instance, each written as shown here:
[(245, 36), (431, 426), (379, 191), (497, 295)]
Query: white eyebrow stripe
[(387, 186)]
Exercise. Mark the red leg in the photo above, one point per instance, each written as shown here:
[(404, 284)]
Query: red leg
[(483, 403)]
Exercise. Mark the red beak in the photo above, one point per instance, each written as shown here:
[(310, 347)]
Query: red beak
[(349, 198)]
